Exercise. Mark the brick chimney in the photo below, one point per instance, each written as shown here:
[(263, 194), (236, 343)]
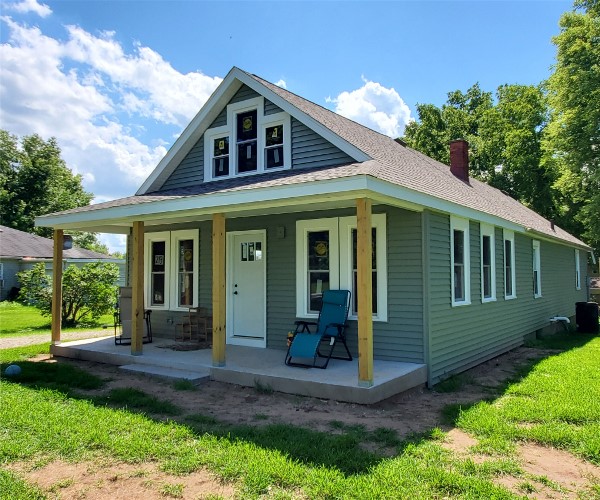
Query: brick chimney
[(459, 159)]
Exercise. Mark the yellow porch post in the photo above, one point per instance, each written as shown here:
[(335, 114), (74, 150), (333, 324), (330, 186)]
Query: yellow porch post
[(218, 289), (137, 289), (57, 268), (364, 291)]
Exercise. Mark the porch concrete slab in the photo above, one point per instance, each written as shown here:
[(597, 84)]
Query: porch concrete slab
[(250, 366), (195, 377)]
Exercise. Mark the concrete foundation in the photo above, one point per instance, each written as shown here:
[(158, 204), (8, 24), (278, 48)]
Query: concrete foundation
[(252, 367)]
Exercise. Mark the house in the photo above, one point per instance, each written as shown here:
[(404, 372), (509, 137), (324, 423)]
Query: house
[(20, 251), (266, 199)]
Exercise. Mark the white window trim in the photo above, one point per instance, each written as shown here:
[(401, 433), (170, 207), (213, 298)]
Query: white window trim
[(510, 236), (490, 231), (303, 227), (263, 121), (347, 224), (577, 270), (537, 266), (171, 238), (457, 223), (340, 259), (209, 136), (176, 237)]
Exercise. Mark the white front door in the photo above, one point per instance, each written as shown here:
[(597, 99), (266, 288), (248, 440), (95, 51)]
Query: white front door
[(246, 288)]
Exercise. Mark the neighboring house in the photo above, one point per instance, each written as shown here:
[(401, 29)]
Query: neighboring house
[(20, 251), (262, 201)]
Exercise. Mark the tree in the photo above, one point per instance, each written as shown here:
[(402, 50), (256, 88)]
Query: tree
[(88, 291), (572, 143), (504, 136), (35, 181)]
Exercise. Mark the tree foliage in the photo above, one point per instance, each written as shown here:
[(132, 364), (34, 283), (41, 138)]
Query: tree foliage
[(35, 180), (539, 144), (572, 142), (88, 291), (504, 135)]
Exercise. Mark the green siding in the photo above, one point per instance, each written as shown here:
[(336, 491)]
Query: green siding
[(463, 336), (398, 339), (308, 148), (190, 171), (311, 150)]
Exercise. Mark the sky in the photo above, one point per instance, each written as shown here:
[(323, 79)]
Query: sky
[(117, 81)]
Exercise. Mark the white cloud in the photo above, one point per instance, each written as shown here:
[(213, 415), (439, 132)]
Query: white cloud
[(26, 6), (85, 91), (281, 83), (374, 106)]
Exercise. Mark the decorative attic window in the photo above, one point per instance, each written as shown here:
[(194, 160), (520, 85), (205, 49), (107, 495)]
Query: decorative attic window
[(250, 143), (221, 156)]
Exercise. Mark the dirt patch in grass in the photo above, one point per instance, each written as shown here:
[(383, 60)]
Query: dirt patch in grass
[(547, 473), (116, 481)]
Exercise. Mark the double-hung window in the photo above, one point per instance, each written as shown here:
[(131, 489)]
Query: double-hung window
[(577, 270), (326, 259), (171, 262), (510, 287), (460, 261), (488, 263), (537, 269), (252, 142)]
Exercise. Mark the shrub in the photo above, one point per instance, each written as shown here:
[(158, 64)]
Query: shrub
[(88, 292)]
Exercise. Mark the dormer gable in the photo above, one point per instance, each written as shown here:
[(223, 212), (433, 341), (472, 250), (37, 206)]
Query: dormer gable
[(246, 129)]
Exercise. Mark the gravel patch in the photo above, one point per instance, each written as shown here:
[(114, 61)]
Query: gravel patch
[(40, 338)]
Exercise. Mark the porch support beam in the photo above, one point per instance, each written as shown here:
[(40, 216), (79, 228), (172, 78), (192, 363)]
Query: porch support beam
[(137, 289), (57, 268), (364, 291), (218, 289)]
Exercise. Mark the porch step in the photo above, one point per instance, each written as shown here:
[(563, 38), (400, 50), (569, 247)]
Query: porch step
[(195, 377)]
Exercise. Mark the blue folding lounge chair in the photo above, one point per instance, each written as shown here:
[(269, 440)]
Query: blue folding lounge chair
[(331, 326)]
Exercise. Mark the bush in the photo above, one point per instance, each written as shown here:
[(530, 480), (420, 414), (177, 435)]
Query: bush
[(88, 291)]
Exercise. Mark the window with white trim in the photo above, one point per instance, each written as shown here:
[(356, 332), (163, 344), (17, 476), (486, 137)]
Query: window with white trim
[(171, 263), (460, 261), (326, 260), (510, 285), (537, 269), (250, 143), (577, 270), (488, 263)]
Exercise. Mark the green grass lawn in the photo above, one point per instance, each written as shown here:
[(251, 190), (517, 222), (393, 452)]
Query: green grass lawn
[(18, 320), (46, 415), (556, 404)]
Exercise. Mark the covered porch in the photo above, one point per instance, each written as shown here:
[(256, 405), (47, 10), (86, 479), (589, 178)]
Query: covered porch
[(252, 367)]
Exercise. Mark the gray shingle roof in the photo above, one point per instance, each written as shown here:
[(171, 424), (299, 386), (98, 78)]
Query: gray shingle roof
[(16, 244), (391, 162)]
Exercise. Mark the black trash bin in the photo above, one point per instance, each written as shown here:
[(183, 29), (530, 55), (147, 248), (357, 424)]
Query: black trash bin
[(586, 317)]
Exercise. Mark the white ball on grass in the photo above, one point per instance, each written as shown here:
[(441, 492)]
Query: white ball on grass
[(12, 370)]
